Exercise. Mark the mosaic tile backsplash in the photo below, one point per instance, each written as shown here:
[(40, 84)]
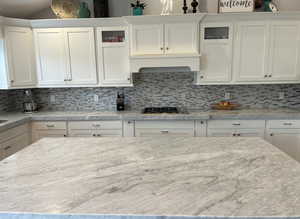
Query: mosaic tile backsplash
[(157, 89)]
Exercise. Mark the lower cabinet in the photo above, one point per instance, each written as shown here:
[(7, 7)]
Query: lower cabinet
[(14, 140), (236, 128), (96, 129), (285, 135), (48, 129), (164, 128)]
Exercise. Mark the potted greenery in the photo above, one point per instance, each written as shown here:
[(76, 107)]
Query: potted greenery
[(138, 8)]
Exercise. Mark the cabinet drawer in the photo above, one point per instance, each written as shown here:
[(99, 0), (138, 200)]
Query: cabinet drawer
[(236, 124), (164, 124), (95, 125), (164, 132), (95, 133), (56, 133), (49, 125), (11, 133), (14, 145), (283, 124)]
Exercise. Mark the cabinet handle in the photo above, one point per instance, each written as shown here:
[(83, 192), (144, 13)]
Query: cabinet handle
[(99, 135), (8, 147), (287, 123), (201, 122), (239, 135), (96, 125), (164, 132), (12, 81), (50, 126), (65, 80), (129, 122), (236, 124), (201, 76)]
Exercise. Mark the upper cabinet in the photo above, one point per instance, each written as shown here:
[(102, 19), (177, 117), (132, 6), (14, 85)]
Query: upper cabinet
[(216, 52), (147, 39), (112, 46), (284, 51), (252, 50), (18, 65), (268, 52), (164, 39), (66, 56)]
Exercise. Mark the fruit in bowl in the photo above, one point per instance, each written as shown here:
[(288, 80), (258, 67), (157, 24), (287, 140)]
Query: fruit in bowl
[(225, 105)]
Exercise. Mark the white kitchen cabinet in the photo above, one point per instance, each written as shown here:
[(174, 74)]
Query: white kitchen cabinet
[(216, 53), (236, 128), (252, 51), (267, 51), (18, 63), (113, 46), (14, 140), (284, 51), (81, 56), (181, 38), (51, 56), (287, 140), (285, 134), (65, 57), (147, 39), (164, 128), (48, 129), (200, 128), (164, 39), (96, 129)]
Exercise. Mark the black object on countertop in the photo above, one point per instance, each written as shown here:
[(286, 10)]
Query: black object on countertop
[(150, 110)]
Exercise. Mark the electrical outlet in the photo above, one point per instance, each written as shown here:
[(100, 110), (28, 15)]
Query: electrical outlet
[(227, 96), (52, 99), (281, 95), (96, 98)]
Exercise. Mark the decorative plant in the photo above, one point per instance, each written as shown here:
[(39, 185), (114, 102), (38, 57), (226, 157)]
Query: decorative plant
[(138, 4)]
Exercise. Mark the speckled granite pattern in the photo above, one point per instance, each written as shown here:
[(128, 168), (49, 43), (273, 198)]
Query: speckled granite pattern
[(168, 89), (151, 176)]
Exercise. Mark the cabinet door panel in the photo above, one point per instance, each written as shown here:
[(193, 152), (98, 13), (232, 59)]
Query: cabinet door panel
[(147, 39), (286, 140), (252, 51), (16, 144), (19, 45), (81, 55), (51, 56), (164, 132), (284, 52), (181, 38), (39, 134), (220, 132)]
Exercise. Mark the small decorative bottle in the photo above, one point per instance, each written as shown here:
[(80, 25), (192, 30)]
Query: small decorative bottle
[(84, 11)]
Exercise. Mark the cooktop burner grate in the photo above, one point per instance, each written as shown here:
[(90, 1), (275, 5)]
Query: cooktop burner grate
[(150, 110)]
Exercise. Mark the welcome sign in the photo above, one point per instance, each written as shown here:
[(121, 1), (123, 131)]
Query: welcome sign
[(236, 5)]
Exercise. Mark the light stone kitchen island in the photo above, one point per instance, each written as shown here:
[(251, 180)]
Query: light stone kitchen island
[(110, 178)]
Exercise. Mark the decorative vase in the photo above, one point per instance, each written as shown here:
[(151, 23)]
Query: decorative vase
[(167, 7), (84, 11), (137, 11), (267, 6)]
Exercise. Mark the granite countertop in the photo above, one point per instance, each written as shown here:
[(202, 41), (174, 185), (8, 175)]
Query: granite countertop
[(15, 119), (150, 176)]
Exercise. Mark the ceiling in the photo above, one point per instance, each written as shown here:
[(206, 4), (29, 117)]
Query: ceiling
[(22, 8)]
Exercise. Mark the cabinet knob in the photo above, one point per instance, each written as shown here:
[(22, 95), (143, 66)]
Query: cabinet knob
[(161, 48), (12, 81), (266, 76), (7, 148), (94, 135), (65, 136), (65, 80), (164, 132), (234, 135), (271, 134), (270, 76), (167, 48), (129, 79), (99, 135), (239, 135), (201, 76)]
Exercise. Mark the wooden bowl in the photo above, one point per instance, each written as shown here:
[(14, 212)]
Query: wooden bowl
[(223, 107)]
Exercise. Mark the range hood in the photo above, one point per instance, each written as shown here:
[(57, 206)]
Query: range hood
[(186, 63)]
